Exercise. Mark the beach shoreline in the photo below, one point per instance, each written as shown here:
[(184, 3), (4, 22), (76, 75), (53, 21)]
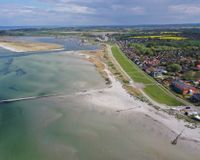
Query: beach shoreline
[(116, 98), (19, 47), (118, 102)]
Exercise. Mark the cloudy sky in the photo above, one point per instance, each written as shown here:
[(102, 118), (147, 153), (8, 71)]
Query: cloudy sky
[(98, 12)]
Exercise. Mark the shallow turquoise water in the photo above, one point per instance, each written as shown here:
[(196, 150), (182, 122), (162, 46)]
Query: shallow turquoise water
[(60, 128), (45, 74), (70, 128)]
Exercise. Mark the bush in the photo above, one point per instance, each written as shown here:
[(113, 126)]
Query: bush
[(174, 67), (143, 49)]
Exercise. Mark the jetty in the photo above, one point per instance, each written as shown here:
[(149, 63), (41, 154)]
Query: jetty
[(174, 142)]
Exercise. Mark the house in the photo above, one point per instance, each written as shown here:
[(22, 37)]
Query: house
[(183, 88), (137, 61), (163, 71), (197, 67), (156, 74), (195, 98)]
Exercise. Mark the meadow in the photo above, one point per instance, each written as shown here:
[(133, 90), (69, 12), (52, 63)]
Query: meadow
[(153, 89)]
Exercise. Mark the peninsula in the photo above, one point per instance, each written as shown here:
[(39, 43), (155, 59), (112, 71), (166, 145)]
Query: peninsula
[(21, 46)]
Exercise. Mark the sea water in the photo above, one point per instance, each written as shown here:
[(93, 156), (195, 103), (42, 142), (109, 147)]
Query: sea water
[(68, 127)]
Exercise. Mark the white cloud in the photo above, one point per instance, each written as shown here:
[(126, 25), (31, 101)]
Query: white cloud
[(186, 9), (17, 10), (100, 11), (13, 10), (73, 8), (137, 10)]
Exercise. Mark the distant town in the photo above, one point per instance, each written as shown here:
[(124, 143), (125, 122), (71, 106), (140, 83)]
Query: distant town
[(171, 57)]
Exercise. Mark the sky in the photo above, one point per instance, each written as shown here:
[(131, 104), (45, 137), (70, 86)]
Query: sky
[(98, 12)]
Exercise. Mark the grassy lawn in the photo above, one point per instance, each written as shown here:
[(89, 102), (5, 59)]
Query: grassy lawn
[(152, 88)]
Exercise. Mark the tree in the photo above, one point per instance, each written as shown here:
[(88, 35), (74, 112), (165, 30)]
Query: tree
[(174, 67)]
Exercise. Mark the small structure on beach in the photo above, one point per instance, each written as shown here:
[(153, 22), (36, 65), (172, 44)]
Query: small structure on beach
[(196, 117)]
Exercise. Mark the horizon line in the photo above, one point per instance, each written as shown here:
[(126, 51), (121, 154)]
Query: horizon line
[(103, 25)]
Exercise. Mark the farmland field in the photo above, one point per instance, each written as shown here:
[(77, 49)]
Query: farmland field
[(161, 37)]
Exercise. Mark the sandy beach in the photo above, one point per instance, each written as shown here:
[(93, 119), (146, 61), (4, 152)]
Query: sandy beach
[(18, 46), (117, 99)]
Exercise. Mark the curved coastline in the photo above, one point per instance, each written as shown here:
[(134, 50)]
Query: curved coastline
[(120, 103), (131, 105), (19, 47)]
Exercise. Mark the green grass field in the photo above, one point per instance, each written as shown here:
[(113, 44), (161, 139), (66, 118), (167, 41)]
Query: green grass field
[(152, 88)]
